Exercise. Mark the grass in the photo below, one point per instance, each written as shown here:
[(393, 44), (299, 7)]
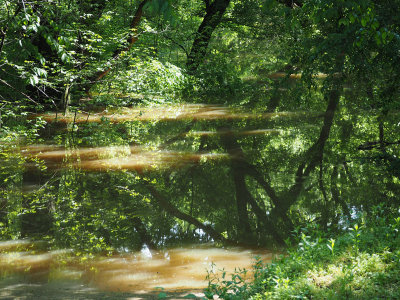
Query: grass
[(358, 262)]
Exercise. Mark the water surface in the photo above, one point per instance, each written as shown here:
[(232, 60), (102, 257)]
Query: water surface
[(174, 269)]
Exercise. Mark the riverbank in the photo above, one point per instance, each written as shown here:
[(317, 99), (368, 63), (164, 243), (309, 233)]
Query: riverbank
[(362, 261)]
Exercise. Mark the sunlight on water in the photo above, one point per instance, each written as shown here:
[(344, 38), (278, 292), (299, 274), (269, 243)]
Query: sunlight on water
[(278, 75), (115, 158), (236, 133), (171, 269), (166, 113)]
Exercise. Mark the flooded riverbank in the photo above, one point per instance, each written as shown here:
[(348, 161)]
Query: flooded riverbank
[(147, 272)]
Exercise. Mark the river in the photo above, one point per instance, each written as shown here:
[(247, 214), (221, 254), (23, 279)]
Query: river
[(146, 272)]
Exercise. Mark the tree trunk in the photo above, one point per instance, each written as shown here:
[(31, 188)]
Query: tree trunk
[(131, 40), (214, 13), (242, 195)]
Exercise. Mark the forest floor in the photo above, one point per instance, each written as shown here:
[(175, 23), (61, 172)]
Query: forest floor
[(22, 289)]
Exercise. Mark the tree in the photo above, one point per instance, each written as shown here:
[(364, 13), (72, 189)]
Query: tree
[(214, 12)]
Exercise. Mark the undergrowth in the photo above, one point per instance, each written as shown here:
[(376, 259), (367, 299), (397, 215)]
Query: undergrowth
[(360, 261)]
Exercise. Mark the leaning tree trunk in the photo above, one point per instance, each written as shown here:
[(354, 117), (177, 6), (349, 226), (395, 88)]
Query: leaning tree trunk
[(131, 40), (214, 13)]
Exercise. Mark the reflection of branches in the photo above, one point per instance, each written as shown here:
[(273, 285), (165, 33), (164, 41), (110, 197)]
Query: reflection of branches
[(314, 154), (324, 195), (312, 158), (171, 209), (376, 144), (240, 169), (321, 182), (177, 137), (142, 231), (347, 172)]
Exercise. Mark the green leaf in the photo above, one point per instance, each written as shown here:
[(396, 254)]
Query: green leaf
[(64, 57), (375, 25), (364, 22), (34, 80)]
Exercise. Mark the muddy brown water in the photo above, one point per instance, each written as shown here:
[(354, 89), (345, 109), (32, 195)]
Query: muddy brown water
[(147, 271), (195, 112), (30, 273), (114, 158)]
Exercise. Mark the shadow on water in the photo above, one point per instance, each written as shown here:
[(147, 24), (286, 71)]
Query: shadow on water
[(27, 271)]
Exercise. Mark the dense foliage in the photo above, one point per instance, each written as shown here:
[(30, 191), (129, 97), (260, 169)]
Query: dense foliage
[(301, 127), (362, 262)]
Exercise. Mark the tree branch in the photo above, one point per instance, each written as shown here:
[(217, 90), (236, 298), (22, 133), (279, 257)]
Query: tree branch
[(131, 40), (241, 168), (179, 45), (18, 91)]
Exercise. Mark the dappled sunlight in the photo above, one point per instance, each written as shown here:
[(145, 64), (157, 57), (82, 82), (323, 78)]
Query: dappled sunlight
[(153, 149), (280, 75), (15, 245), (22, 256)]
